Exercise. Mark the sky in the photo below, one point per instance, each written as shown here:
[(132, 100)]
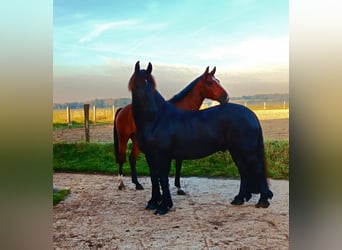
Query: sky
[(97, 43)]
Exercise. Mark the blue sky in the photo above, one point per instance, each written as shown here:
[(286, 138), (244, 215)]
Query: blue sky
[(96, 44)]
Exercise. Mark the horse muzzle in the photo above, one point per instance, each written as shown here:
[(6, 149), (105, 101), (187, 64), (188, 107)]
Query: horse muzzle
[(224, 99)]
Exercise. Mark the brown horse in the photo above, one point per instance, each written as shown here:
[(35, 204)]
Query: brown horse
[(190, 98)]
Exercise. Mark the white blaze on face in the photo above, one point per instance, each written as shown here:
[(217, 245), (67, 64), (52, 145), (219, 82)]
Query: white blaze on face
[(214, 79)]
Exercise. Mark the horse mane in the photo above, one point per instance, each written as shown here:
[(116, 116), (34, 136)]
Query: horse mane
[(185, 91)]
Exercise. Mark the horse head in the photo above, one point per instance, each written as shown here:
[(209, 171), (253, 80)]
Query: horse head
[(141, 77), (143, 88), (212, 88)]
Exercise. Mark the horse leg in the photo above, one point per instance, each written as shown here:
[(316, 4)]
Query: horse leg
[(156, 198), (177, 177), (166, 203), (265, 192), (121, 160), (256, 177), (244, 192), (132, 161), (253, 178), (120, 178)]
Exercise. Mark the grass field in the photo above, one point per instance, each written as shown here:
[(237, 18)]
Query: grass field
[(99, 158)]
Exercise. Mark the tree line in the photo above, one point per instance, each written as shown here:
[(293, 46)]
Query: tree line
[(120, 102), (99, 103)]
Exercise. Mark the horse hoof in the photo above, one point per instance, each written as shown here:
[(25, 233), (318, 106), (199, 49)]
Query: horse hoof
[(263, 204), (151, 206), (161, 211), (139, 187), (248, 197), (181, 192), (270, 195), (237, 202), (122, 187)]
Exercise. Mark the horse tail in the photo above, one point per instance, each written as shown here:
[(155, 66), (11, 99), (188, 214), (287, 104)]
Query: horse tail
[(115, 137), (263, 156), (262, 151), (264, 174), (253, 182)]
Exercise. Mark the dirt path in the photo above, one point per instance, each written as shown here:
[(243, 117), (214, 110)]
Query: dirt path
[(98, 216)]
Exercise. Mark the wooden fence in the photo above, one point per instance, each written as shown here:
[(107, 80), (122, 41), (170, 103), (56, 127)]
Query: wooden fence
[(106, 115), (96, 115)]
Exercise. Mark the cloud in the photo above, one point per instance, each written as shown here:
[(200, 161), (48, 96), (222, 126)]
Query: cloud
[(100, 28), (251, 52), (126, 24)]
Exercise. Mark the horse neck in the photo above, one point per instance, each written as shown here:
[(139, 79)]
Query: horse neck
[(192, 100), (144, 113), (138, 116)]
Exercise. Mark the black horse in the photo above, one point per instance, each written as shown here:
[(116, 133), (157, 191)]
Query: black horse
[(165, 132)]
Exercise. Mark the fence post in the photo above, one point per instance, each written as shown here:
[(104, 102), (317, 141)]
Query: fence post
[(113, 113), (264, 105), (94, 110), (86, 121), (68, 117)]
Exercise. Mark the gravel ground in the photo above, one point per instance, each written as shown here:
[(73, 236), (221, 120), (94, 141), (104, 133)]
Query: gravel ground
[(96, 215)]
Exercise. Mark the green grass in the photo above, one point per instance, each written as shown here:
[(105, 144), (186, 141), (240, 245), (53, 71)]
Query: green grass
[(99, 158), (59, 195), (277, 158)]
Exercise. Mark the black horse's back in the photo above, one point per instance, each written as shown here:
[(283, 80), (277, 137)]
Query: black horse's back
[(196, 134)]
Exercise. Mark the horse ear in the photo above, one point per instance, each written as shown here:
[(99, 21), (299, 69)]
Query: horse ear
[(206, 71), (213, 71), (149, 68), (137, 67)]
